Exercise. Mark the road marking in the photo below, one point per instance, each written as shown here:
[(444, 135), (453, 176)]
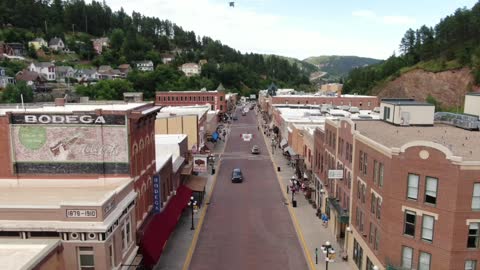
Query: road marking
[(193, 245), (292, 214)]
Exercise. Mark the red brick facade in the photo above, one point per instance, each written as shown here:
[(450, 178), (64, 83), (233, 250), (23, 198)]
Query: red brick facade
[(189, 98)]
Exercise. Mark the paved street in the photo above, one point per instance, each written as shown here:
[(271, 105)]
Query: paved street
[(247, 225)]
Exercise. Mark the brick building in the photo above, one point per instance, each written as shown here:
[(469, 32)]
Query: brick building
[(362, 102), (216, 99), (410, 192)]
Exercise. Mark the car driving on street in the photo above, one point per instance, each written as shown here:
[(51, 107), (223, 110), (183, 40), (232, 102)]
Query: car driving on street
[(237, 176), (255, 150)]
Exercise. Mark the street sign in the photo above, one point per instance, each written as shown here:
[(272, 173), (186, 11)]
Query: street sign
[(335, 174), (200, 163), (156, 194)]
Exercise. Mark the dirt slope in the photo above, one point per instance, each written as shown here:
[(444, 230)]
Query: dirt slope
[(447, 87)]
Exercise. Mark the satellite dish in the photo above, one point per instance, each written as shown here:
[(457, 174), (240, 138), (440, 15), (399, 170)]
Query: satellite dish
[(232, 4)]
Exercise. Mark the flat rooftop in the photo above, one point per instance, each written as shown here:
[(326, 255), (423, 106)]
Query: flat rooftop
[(71, 107), (317, 95), (23, 254), (406, 103), (462, 143), (191, 91), (53, 194), (169, 138)]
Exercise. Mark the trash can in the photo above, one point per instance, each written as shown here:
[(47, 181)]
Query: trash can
[(213, 171), (278, 169), (294, 203)]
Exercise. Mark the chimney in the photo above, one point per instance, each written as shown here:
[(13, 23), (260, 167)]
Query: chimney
[(60, 102)]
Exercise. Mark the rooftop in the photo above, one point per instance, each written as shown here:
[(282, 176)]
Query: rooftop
[(319, 95), (189, 91), (169, 138), (20, 254), (70, 107), (473, 94), (199, 110), (53, 194), (462, 143), (404, 102)]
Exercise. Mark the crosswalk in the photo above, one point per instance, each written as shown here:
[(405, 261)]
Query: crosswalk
[(243, 156)]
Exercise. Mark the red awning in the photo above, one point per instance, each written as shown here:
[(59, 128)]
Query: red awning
[(162, 225)]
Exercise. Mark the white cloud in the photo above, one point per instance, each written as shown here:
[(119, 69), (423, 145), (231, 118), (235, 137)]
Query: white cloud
[(246, 30), (389, 19)]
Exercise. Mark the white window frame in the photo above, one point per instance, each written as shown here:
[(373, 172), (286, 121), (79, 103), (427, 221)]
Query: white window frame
[(474, 226), (476, 196), (405, 223), (428, 225), (422, 261), (412, 190), (111, 254), (470, 264), (126, 234), (407, 261), (429, 190), (85, 252)]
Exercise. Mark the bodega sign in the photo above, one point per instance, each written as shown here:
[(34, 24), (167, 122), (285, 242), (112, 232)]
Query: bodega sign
[(68, 119)]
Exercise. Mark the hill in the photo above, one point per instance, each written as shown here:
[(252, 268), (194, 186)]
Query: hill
[(339, 66), (451, 45), (137, 37)]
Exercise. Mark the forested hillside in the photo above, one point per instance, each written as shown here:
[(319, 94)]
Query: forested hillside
[(451, 44), (338, 66), (139, 37)]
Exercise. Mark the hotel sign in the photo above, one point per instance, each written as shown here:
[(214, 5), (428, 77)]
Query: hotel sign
[(156, 194), (335, 174), (81, 213)]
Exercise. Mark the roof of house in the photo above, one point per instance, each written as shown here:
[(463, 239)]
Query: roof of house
[(20, 254), (26, 75), (41, 40), (104, 68), (55, 41), (44, 64), (462, 143), (63, 68), (190, 65), (124, 66), (168, 55), (144, 62)]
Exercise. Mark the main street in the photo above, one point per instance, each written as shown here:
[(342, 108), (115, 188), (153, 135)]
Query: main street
[(247, 225)]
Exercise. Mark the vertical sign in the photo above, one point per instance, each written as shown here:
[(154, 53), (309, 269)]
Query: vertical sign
[(156, 194)]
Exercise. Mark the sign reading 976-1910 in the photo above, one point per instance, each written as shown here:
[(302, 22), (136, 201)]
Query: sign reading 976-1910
[(81, 213)]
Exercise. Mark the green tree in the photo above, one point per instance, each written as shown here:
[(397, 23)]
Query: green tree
[(106, 90), (14, 92)]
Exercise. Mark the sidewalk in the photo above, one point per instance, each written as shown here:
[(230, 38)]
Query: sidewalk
[(314, 233), (176, 249)]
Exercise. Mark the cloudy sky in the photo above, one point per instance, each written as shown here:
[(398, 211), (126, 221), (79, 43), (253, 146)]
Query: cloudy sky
[(301, 28)]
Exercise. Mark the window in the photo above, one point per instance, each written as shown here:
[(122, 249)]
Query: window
[(379, 207), (221, 98), (412, 192), (470, 265), (424, 261), (369, 265), (86, 258), (476, 197), (431, 190), (357, 253), (373, 203), (360, 161), (126, 234), (409, 228), (363, 192), (407, 257), (358, 189), (111, 255), (473, 235), (375, 172), (377, 239), (380, 176), (427, 228), (371, 236)]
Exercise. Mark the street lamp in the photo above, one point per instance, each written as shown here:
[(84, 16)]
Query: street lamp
[(328, 250), (192, 204)]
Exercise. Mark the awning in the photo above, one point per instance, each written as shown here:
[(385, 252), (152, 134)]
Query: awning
[(196, 183), (290, 151), (341, 213), (187, 169), (283, 143), (162, 225)]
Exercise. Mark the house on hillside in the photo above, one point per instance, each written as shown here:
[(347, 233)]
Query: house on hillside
[(125, 68), (63, 72), (100, 43), (86, 75), (167, 58), (202, 62), (37, 43), (145, 65), (56, 44), (44, 69), (190, 69), (32, 78), (12, 49), (108, 73), (4, 79)]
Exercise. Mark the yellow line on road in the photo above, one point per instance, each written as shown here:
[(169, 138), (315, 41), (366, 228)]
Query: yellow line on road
[(306, 252), (193, 245)]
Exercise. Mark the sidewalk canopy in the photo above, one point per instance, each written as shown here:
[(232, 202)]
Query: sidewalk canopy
[(342, 214), (283, 143), (196, 183), (162, 225), (290, 151)]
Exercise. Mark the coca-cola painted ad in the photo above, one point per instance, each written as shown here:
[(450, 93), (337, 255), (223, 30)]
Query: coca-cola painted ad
[(70, 149)]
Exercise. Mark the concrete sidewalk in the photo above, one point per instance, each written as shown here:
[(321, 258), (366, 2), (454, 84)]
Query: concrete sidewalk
[(178, 245), (314, 234)]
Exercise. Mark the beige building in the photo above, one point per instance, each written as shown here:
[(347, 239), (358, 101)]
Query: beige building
[(39, 254), (94, 219), (472, 101)]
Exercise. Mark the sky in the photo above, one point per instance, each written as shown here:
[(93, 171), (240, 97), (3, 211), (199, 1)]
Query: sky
[(301, 28)]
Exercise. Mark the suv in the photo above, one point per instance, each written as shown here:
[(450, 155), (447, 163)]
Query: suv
[(255, 150), (234, 117), (237, 176)]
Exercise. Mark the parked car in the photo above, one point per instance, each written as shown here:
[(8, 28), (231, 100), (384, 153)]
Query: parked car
[(237, 176), (234, 118), (255, 150)]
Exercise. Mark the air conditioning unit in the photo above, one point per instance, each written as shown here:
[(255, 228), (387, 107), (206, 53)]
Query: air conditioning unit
[(92, 236), (73, 236)]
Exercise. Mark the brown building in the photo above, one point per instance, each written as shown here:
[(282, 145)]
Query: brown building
[(362, 102), (410, 191), (216, 99)]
